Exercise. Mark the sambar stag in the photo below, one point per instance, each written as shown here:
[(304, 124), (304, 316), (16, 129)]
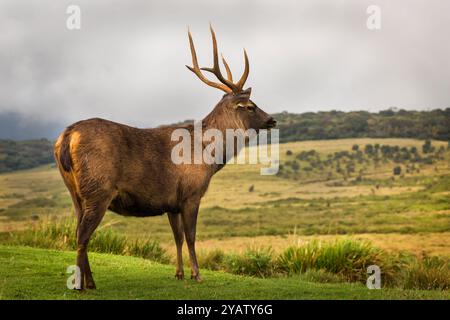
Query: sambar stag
[(112, 166)]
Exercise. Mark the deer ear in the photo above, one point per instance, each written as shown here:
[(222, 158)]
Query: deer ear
[(246, 92)]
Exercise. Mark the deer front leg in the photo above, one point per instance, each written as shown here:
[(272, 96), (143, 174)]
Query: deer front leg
[(189, 214), (178, 233)]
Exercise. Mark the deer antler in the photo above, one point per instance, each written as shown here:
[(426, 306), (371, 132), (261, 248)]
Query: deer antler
[(227, 67), (226, 85)]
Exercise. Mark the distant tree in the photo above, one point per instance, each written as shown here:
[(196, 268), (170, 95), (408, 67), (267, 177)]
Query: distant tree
[(386, 151), (350, 167), (295, 166), (368, 149), (19, 155), (387, 113), (427, 147), (385, 124), (355, 147), (397, 170), (289, 153)]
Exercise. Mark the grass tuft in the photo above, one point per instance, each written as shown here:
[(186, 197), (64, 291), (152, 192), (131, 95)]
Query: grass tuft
[(427, 273), (346, 257), (60, 235), (253, 262)]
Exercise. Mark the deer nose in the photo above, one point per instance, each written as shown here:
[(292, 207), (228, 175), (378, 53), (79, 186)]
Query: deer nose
[(271, 122)]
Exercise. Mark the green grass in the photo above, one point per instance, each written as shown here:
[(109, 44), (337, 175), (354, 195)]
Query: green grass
[(345, 258), (60, 234), (29, 273)]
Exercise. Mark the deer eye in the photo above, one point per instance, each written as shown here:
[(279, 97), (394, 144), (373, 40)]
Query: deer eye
[(248, 107)]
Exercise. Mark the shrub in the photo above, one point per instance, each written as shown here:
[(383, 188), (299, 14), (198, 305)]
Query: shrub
[(368, 149), (148, 249), (253, 262), (427, 147), (346, 258), (427, 273), (212, 260), (295, 166)]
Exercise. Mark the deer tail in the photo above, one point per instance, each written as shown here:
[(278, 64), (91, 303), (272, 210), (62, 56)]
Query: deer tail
[(62, 150)]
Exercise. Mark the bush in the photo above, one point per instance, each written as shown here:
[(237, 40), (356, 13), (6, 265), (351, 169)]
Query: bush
[(427, 147), (253, 262), (346, 258), (295, 166), (427, 273), (397, 170), (147, 249), (212, 260)]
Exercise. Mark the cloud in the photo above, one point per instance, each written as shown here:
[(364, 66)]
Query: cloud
[(127, 61)]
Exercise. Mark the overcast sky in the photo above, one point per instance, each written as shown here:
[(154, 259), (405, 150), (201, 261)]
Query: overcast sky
[(127, 63)]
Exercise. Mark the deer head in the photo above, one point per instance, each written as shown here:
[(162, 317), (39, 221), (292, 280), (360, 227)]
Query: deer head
[(235, 110)]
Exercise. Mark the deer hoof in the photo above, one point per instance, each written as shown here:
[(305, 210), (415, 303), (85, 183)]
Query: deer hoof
[(91, 285), (196, 277), (179, 276)]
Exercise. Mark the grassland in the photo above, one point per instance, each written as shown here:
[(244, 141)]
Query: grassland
[(31, 273), (278, 209), (405, 212)]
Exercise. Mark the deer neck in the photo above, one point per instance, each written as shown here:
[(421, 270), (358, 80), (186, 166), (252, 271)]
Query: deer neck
[(223, 123)]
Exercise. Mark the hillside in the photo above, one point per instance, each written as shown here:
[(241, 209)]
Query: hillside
[(435, 124), (19, 155), (389, 123), (41, 274)]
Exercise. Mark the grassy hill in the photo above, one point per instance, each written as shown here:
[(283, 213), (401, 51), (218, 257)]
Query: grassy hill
[(29, 273)]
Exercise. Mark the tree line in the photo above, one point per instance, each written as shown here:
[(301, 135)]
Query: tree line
[(435, 124), (19, 155), (389, 123)]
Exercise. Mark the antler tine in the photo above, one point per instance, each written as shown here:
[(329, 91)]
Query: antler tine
[(196, 69), (227, 67), (226, 85), (244, 76), (216, 67)]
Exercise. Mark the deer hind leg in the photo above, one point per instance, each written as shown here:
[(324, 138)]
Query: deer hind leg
[(90, 219), (178, 233), (189, 216)]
